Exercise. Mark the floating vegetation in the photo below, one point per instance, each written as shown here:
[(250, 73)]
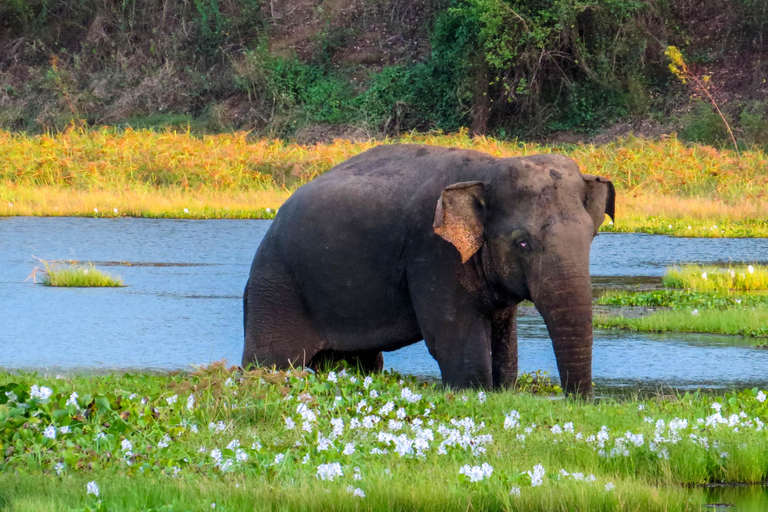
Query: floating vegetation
[(73, 274)]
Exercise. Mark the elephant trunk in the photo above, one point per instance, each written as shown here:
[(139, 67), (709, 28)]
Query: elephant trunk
[(565, 302)]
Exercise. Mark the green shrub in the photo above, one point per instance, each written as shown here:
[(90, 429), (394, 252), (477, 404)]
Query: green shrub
[(704, 125)]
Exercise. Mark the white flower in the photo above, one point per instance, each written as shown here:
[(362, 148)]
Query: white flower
[(73, 399), (716, 406), (357, 475), (164, 442), (126, 445), (556, 429), (305, 459), (41, 393), (233, 444), (537, 475), (751, 269), (568, 427), (96, 210), (332, 377), (329, 471), (186, 210), (193, 429), (760, 397), (190, 402), (92, 488), (641, 407), (409, 396), (512, 420), (738, 301), (114, 210), (374, 393), (216, 454), (401, 413), (481, 397), (349, 449), (50, 432), (609, 487), (476, 473), (367, 382), (100, 435), (278, 459), (704, 276), (515, 491), (289, 424), (387, 408), (695, 312), (355, 492), (59, 467), (172, 399)]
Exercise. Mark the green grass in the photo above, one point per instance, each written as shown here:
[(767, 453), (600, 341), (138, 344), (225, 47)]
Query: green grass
[(717, 279), (735, 321), (76, 275), (682, 299), (148, 446)]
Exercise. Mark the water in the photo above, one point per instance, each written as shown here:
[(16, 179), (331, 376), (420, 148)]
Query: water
[(189, 311)]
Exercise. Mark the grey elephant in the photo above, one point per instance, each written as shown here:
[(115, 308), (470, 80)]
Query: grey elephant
[(409, 242)]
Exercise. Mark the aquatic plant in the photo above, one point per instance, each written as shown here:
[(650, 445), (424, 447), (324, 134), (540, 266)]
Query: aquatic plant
[(73, 274), (752, 322), (709, 278), (341, 440)]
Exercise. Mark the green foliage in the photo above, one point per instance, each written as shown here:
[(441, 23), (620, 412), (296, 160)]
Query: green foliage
[(704, 126)]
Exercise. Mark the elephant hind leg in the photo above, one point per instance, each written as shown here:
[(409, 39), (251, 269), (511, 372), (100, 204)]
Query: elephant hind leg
[(278, 330), (365, 361)]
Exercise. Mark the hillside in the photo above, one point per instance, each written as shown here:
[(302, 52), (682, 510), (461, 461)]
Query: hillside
[(317, 69)]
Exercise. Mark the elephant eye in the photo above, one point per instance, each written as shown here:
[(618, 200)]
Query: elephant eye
[(523, 245)]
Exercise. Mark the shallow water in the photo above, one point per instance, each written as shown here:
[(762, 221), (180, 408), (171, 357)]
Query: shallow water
[(736, 498), (189, 310)]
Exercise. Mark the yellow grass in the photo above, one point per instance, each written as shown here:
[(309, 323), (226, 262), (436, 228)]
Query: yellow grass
[(662, 186)]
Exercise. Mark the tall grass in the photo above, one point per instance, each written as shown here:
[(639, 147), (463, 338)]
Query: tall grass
[(734, 321), (662, 186), (707, 278), (75, 275)]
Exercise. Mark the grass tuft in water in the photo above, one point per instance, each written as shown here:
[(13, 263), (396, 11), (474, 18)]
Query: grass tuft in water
[(717, 279), (735, 321), (74, 275)]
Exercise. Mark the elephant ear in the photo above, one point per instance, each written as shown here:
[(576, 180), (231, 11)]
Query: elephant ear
[(459, 217), (600, 199)]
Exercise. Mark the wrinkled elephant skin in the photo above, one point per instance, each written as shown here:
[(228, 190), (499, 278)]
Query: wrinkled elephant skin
[(408, 242)]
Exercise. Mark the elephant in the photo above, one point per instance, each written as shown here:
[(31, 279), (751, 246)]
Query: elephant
[(408, 242)]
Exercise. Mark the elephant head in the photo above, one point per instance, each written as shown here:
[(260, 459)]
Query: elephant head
[(530, 226)]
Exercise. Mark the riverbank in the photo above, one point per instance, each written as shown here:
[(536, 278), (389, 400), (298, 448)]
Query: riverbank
[(287, 441), (663, 187)]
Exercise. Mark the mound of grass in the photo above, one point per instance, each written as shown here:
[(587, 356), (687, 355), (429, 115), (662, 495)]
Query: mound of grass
[(76, 275), (295, 440), (717, 279), (736, 321)]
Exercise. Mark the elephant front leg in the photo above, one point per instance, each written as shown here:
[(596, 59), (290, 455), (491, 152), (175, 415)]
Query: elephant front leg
[(504, 347)]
